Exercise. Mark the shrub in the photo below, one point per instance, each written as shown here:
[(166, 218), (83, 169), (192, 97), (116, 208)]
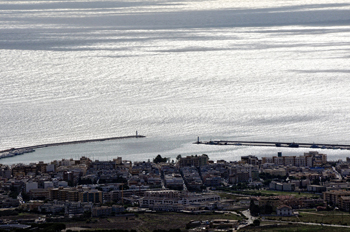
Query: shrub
[(256, 222)]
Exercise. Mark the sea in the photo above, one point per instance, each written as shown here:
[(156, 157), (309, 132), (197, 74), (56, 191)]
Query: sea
[(173, 70)]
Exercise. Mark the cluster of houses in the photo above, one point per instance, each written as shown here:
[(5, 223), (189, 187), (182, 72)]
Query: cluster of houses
[(75, 187)]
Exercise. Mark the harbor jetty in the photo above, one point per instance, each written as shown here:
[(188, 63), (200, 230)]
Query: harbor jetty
[(20, 151), (275, 144)]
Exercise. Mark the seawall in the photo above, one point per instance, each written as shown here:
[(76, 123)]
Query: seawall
[(276, 144), (19, 151)]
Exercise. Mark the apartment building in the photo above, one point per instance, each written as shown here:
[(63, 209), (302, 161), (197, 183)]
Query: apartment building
[(311, 159)]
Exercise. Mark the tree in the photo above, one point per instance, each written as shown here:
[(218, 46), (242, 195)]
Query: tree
[(254, 209), (159, 159), (256, 222), (178, 157), (316, 182), (87, 214), (268, 209)]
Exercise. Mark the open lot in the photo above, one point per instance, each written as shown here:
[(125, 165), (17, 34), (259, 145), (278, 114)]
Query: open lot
[(148, 221), (268, 193), (284, 193)]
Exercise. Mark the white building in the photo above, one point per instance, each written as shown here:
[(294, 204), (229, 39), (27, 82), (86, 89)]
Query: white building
[(172, 200), (345, 172), (289, 160), (48, 184), (300, 161), (31, 185), (62, 184), (50, 168), (284, 210), (288, 186)]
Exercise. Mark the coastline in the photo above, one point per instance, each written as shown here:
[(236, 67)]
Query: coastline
[(22, 150)]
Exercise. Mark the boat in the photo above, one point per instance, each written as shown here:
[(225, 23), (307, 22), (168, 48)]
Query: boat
[(314, 146), (293, 145)]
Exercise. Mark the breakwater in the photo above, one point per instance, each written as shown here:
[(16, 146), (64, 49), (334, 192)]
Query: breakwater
[(20, 151), (276, 144)]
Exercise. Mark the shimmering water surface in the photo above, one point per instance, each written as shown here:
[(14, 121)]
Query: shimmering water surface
[(273, 70)]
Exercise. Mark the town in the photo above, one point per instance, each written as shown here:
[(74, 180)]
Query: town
[(191, 193)]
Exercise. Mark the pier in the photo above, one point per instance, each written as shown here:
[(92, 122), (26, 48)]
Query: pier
[(275, 144), (20, 151)]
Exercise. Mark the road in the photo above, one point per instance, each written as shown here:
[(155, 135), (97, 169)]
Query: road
[(337, 174), (20, 199), (249, 221)]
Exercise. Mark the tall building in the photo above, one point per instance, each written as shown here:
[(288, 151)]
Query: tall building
[(311, 159), (93, 196), (250, 159), (196, 161)]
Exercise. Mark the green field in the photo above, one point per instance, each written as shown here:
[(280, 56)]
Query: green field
[(325, 217), (294, 228)]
